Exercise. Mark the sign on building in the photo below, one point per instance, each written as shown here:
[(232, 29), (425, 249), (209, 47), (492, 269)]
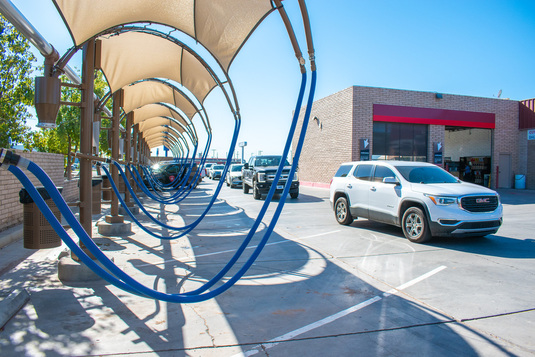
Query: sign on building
[(531, 134)]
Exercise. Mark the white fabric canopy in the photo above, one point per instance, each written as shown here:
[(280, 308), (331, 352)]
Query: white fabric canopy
[(222, 26), (148, 92), (156, 110), (133, 56)]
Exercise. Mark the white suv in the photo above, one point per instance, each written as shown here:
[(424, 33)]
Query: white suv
[(421, 198)]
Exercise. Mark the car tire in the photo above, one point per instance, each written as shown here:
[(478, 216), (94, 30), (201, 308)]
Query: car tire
[(415, 226), (294, 195), (256, 193), (341, 212), (245, 188)]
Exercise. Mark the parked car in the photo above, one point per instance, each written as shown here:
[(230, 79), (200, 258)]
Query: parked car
[(421, 198), (207, 168), (216, 171), (259, 174), (167, 172), (234, 175)]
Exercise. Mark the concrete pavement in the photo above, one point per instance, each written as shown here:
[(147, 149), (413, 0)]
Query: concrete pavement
[(98, 319)]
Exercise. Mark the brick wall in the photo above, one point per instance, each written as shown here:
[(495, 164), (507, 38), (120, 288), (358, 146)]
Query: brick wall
[(337, 141), (10, 206), (328, 138)]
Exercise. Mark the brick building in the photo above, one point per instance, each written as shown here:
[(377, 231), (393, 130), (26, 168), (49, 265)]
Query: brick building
[(488, 135)]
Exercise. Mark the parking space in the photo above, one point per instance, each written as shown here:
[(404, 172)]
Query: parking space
[(317, 288)]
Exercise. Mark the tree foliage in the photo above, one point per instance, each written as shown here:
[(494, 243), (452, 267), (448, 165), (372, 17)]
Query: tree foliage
[(16, 85)]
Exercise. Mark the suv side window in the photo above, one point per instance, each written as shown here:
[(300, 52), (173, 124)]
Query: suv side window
[(251, 161), (381, 172), (343, 170), (363, 172)]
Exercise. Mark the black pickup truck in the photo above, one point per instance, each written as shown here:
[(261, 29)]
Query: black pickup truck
[(259, 174)]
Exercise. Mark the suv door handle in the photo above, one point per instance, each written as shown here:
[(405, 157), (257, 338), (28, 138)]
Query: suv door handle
[(373, 189), (349, 185)]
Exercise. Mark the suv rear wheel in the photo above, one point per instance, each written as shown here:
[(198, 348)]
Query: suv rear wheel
[(415, 226), (341, 211)]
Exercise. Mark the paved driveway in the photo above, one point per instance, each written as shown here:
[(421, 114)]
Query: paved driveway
[(317, 289)]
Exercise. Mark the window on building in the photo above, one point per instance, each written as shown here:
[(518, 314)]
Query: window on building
[(399, 141)]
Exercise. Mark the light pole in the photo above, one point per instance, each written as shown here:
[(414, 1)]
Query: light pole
[(243, 144)]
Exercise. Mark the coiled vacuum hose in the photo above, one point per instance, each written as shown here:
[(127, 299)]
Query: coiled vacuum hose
[(119, 278)]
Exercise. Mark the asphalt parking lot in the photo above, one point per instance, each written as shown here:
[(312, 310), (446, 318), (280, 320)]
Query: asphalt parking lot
[(317, 289)]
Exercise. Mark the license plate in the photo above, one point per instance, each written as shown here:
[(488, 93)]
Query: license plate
[(280, 187)]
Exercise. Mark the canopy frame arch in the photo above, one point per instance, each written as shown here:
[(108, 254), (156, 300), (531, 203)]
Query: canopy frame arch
[(189, 127), (199, 107), (156, 137), (151, 123), (117, 31), (164, 128), (156, 140), (184, 46)]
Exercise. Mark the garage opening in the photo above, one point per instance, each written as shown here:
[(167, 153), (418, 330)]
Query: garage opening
[(468, 152)]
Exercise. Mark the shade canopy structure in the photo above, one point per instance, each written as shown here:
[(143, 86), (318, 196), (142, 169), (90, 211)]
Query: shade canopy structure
[(151, 115), (136, 41), (155, 91), (220, 26), (132, 56), (162, 122)]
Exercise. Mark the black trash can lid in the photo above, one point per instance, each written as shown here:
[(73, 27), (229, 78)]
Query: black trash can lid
[(25, 197)]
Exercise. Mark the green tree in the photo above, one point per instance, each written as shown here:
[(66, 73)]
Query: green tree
[(16, 85)]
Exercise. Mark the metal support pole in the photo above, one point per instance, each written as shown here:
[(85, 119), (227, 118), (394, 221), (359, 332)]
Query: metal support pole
[(127, 151), (86, 138), (114, 216), (135, 141)]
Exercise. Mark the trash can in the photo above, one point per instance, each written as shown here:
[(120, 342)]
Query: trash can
[(106, 194), (96, 185), (37, 232), (520, 182)]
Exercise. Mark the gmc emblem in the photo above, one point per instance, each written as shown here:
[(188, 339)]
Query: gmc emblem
[(483, 200)]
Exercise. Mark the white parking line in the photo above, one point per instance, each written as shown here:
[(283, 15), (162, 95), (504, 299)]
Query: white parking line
[(273, 243), (251, 247), (274, 342)]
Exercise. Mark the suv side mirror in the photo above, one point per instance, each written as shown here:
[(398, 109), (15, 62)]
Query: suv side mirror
[(246, 166), (391, 180)]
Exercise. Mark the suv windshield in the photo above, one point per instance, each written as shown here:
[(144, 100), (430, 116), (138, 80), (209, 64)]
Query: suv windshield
[(218, 167), (426, 174), (236, 168), (269, 161)]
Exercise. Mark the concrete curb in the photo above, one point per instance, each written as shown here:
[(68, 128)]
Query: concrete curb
[(10, 235), (12, 304)]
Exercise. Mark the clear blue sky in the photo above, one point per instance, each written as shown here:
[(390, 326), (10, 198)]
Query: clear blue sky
[(465, 47)]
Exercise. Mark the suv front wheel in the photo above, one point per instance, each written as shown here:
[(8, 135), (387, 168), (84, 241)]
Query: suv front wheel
[(341, 211), (415, 226), (256, 193)]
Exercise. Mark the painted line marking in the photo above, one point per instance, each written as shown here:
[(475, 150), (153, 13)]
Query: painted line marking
[(273, 243), (251, 247), (274, 342)]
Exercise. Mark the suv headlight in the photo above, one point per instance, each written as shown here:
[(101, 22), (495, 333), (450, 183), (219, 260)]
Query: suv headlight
[(261, 177), (296, 177), (442, 200)]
